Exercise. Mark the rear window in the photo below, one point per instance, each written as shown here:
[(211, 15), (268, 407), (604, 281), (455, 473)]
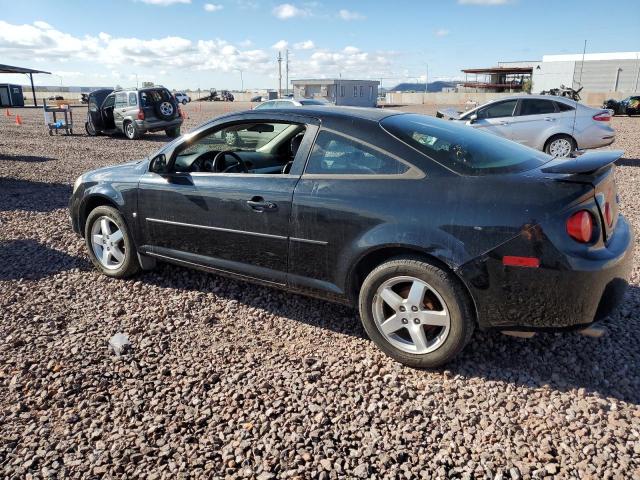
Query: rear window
[(461, 148), (563, 107), (151, 97)]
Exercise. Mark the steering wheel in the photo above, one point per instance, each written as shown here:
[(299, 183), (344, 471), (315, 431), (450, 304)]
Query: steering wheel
[(219, 161)]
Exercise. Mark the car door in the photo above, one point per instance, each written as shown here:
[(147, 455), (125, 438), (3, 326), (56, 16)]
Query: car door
[(231, 222), (120, 109), (534, 119), (107, 111), (496, 117)]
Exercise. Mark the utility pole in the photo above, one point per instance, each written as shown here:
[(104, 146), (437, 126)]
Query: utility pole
[(286, 69), (279, 74), (426, 80)]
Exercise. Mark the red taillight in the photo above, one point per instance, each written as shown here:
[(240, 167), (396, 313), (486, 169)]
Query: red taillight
[(607, 214), (602, 117), (580, 226), (140, 114)]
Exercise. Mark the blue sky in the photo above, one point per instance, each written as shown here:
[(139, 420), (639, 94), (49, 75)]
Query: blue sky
[(206, 43)]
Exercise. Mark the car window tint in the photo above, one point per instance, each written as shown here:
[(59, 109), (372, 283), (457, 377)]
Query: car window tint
[(533, 106), (133, 99), (563, 107), (462, 149), (500, 109), (335, 154)]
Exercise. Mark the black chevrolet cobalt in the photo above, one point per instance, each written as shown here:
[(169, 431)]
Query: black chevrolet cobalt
[(431, 229)]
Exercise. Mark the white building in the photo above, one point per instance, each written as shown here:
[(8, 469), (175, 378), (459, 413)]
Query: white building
[(356, 93), (599, 72)]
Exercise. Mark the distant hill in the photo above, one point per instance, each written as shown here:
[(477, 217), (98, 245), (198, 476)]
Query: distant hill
[(419, 87)]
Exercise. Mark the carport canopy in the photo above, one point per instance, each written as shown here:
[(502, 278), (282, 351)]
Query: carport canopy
[(28, 71)]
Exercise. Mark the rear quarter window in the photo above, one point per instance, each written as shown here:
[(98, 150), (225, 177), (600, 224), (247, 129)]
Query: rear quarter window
[(461, 148)]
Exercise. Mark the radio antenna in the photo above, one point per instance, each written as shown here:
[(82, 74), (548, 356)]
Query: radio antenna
[(575, 110)]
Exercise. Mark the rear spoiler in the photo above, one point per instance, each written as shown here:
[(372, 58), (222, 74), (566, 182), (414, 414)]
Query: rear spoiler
[(587, 163)]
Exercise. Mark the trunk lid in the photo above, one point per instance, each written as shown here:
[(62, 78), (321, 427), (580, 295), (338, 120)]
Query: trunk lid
[(596, 168)]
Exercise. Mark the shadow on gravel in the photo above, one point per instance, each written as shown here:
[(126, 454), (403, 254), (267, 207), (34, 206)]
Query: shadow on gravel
[(30, 260), (563, 361), (16, 194), (25, 158), (628, 162)]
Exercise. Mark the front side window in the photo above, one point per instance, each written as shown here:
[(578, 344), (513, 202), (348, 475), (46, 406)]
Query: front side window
[(497, 110), (533, 106), (334, 154), (462, 149), (256, 147)]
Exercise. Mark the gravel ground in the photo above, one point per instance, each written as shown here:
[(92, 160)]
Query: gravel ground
[(231, 380)]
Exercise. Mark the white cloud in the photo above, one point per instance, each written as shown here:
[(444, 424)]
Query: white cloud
[(442, 32), (349, 15), (164, 3), (281, 45), (306, 45), (484, 2), (286, 11), (212, 7)]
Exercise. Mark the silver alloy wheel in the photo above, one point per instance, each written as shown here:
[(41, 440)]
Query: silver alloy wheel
[(166, 108), (107, 242), (560, 147), (411, 315), (130, 130)]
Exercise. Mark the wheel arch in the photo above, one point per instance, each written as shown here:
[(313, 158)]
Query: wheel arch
[(559, 134), (373, 258), (91, 203)]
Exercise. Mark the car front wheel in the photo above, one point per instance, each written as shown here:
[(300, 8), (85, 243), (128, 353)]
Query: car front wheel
[(109, 243), (415, 312)]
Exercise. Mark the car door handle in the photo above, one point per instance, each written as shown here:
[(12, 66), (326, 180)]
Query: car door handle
[(504, 123), (549, 119), (260, 205)]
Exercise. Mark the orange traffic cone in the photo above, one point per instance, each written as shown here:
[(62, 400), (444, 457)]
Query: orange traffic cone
[(18, 120), (7, 113)]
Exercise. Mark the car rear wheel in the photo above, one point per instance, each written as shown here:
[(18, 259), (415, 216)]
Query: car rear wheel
[(415, 312), (130, 131), (560, 146), (110, 246), (184, 102)]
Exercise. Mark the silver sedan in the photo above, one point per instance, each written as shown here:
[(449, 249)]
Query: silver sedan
[(556, 125)]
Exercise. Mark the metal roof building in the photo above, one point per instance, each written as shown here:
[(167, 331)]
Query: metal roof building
[(355, 93), (27, 71)]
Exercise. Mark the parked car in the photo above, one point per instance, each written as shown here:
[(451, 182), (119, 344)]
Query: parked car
[(430, 228), (133, 112), (289, 102), (259, 98), (182, 98), (558, 126), (628, 106)]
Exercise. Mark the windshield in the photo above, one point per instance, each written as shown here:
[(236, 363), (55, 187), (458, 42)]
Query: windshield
[(461, 148)]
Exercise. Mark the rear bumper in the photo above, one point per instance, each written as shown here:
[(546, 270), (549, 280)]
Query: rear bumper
[(154, 125), (565, 292), (596, 136)]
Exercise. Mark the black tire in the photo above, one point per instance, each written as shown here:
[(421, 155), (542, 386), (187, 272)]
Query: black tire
[(130, 265), (184, 102), (456, 298), (173, 132), (90, 129), (130, 130), (165, 109), (549, 144)]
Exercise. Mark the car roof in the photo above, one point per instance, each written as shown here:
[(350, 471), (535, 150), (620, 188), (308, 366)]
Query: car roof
[(534, 97), (326, 111)]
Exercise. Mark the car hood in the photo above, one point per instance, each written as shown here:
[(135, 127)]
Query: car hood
[(113, 172)]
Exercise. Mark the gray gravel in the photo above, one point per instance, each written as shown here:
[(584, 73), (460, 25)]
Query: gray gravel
[(230, 380)]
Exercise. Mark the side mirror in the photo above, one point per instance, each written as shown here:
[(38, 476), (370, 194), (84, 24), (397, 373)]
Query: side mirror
[(158, 164), (473, 118)]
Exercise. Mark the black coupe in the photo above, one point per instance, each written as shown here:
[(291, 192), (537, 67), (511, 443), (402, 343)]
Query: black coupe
[(430, 228)]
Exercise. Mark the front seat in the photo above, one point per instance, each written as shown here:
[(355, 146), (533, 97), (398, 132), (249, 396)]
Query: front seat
[(293, 148)]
